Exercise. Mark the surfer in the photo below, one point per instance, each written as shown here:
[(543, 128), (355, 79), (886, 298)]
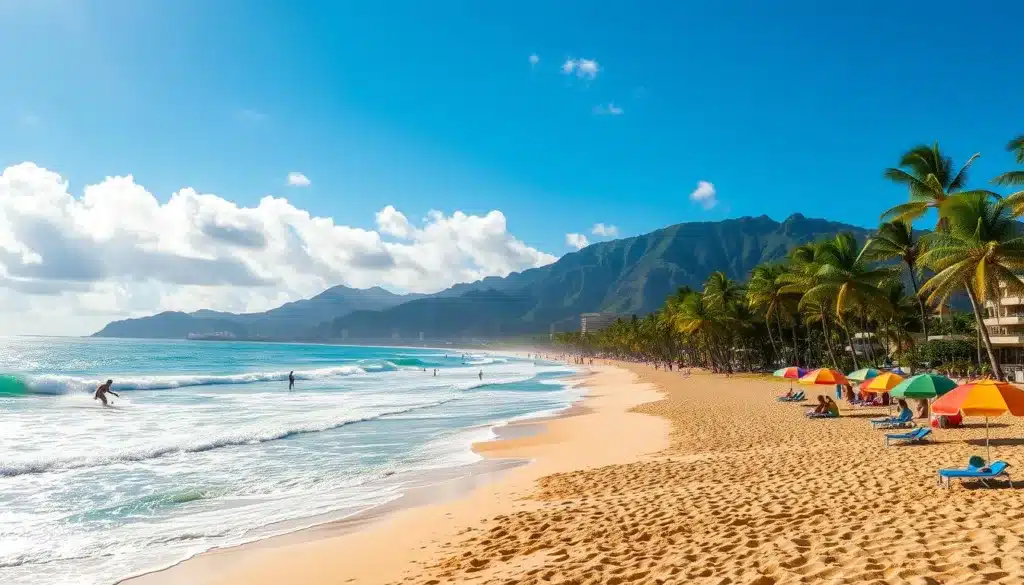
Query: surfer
[(102, 390), (291, 380)]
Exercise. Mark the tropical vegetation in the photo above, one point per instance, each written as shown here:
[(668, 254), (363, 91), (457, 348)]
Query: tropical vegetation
[(847, 303)]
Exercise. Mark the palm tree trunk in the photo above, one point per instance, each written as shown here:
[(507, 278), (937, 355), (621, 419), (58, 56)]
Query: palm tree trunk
[(828, 344), (997, 372), (778, 322), (870, 352), (775, 352), (796, 352), (920, 302), (853, 350)]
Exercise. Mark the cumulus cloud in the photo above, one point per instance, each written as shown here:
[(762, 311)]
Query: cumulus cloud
[(534, 59), (705, 195), (68, 264), (609, 109), (582, 68), (607, 231), (578, 241), (296, 179)]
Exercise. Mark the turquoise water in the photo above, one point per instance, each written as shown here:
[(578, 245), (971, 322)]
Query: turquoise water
[(207, 447)]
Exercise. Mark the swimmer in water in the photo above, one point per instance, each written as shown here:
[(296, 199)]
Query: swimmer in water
[(102, 390)]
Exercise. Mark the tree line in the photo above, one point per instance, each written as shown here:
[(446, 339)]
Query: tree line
[(826, 300)]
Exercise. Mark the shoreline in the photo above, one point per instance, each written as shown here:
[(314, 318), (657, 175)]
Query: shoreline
[(520, 453)]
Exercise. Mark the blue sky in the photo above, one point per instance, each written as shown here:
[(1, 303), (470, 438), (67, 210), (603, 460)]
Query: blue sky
[(784, 106)]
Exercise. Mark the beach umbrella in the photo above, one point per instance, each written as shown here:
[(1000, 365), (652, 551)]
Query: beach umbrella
[(884, 382), (825, 377), (923, 386), (862, 374), (985, 398), (792, 373)]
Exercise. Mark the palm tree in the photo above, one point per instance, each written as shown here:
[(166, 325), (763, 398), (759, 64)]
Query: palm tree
[(1014, 178), (930, 177), (698, 317), (895, 239), (845, 278), (765, 297), (723, 292), (981, 251)]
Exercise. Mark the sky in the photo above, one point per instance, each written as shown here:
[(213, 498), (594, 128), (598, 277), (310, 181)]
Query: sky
[(184, 154)]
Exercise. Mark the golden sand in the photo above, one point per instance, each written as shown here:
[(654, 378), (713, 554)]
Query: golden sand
[(745, 490)]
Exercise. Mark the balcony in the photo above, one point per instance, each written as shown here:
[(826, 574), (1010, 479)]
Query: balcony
[(1008, 320), (1009, 301), (1002, 339)]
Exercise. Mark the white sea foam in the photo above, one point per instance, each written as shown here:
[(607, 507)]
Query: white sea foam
[(61, 384)]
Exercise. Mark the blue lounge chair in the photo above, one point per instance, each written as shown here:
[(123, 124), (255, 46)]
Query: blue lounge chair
[(904, 419), (798, 397), (919, 435), (982, 474)]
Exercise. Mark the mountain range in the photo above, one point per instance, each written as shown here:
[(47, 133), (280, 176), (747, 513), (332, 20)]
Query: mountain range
[(626, 276)]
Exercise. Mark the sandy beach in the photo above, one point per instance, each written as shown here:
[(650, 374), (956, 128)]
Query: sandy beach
[(709, 481)]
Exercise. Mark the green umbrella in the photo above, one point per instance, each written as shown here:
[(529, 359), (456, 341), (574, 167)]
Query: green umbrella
[(923, 386), (862, 374)]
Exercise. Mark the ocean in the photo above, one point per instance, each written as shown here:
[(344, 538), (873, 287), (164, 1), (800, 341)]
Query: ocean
[(206, 447)]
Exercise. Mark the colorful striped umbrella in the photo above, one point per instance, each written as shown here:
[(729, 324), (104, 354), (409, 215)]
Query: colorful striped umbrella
[(825, 377), (792, 372), (982, 398), (923, 386), (862, 374), (884, 382)]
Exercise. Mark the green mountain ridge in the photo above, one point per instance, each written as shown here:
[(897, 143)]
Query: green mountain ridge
[(627, 276)]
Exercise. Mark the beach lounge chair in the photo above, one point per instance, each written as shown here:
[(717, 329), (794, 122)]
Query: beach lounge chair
[(919, 435), (981, 474), (903, 419), (798, 397)]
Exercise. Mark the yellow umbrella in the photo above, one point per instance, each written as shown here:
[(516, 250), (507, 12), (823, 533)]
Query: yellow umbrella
[(883, 382), (825, 377)]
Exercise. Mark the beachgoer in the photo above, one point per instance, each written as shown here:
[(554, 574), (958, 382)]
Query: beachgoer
[(435, 372), (822, 406), (102, 390), (291, 380), (481, 374)]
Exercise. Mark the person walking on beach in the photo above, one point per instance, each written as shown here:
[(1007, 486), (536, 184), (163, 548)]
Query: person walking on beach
[(435, 372), (291, 380), (481, 374), (102, 390)]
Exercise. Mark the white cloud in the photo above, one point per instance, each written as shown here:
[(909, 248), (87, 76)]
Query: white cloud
[(534, 59), (607, 231), (609, 109), (298, 180), (583, 68), (70, 264), (704, 195), (578, 241)]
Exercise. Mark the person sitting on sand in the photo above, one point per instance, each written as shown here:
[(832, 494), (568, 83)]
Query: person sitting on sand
[(788, 394), (831, 408), (102, 390), (821, 407)]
